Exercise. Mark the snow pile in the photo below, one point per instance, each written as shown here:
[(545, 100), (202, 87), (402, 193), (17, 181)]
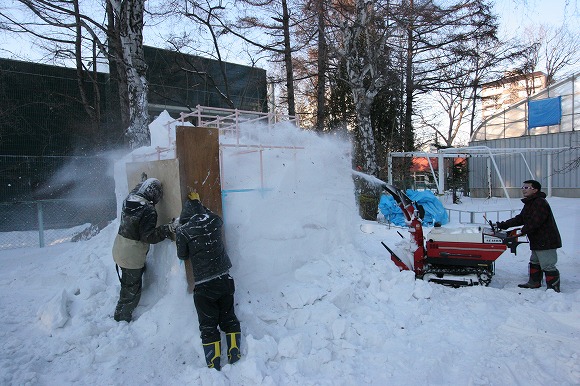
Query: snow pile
[(319, 301), (54, 314)]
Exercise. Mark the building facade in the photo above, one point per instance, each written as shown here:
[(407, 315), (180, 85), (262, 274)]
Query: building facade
[(501, 94), (511, 150)]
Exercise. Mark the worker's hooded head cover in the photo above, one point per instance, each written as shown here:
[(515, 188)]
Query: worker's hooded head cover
[(150, 189), (190, 209)]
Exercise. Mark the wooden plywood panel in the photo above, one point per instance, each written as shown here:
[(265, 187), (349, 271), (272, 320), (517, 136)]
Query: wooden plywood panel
[(166, 171), (197, 149)]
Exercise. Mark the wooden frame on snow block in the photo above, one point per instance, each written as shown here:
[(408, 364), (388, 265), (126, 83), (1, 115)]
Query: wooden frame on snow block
[(198, 152), (167, 172)]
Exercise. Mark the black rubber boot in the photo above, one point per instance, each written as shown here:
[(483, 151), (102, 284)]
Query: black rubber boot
[(553, 280), (212, 352), (234, 353), (535, 280), (130, 294)]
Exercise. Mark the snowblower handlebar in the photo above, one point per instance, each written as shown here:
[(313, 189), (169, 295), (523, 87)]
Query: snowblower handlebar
[(509, 238), (512, 240)]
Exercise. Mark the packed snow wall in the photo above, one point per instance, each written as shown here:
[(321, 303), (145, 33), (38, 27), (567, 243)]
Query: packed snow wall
[(282, 190)]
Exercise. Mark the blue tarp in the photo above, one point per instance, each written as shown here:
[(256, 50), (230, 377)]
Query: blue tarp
[(434, 210), (544, 112)]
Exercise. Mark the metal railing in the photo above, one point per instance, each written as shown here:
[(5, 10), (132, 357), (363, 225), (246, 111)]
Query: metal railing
[(478, 217)]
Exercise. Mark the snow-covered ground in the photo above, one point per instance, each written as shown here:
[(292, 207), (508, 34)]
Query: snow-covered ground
[(319, 300)]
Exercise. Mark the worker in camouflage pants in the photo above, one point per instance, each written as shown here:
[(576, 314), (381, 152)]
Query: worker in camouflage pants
[(137, 231)]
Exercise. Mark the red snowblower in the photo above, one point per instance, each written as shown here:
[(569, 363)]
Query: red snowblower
[(454, 257)]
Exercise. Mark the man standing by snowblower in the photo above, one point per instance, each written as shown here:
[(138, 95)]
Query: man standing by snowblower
[(137, 230), (540, 227), (199, 238)]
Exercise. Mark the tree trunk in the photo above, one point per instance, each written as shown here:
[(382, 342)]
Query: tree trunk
[(117, 75), (408, 135), (129, 21), (475, 87), (89, 108), (322, 58), (366, 146), (362, 58), (288, 60)]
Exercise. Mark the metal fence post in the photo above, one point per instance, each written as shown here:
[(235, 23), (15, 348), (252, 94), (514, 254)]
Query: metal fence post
[(40, 224)]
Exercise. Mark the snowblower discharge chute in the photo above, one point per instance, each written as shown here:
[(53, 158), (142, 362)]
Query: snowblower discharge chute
[(455, 257)]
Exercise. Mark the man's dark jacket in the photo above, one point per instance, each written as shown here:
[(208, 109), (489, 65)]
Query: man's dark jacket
[(137, 229), (139, 218), (199, 238), (538, 223)]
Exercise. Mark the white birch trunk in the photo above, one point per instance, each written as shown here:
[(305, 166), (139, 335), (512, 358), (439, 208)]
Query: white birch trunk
[(366, 137), (129, 16), (362, 59)]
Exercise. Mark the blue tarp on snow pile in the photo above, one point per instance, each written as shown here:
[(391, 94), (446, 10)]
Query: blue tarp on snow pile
[(434, 210)]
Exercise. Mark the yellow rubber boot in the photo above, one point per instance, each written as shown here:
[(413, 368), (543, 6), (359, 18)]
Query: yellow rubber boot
[(212, 352), (234, 353)]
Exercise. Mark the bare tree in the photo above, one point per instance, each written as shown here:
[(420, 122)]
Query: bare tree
[(437, 36), (67, 31), (277, 22), (270, 33), (67, 34), (455, 98), (552, 50), (487, 56), (204, 35), (448, 113), (321, 65), (363, 46), (311, 66)]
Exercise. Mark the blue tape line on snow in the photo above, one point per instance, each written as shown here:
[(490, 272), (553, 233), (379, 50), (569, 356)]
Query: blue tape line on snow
[(225, 193)]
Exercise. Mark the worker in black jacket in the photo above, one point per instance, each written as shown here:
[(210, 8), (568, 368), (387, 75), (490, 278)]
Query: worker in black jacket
[(199, 238), (540, 227), (137, 230)]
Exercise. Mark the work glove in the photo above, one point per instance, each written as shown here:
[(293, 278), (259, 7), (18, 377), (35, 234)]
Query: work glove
[(515, 233), (193, 196), (500, 225), (170, 230)]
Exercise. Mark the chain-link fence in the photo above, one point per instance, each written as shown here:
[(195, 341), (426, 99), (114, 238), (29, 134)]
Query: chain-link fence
[(47, 199), (48, 222), (51, 182)]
